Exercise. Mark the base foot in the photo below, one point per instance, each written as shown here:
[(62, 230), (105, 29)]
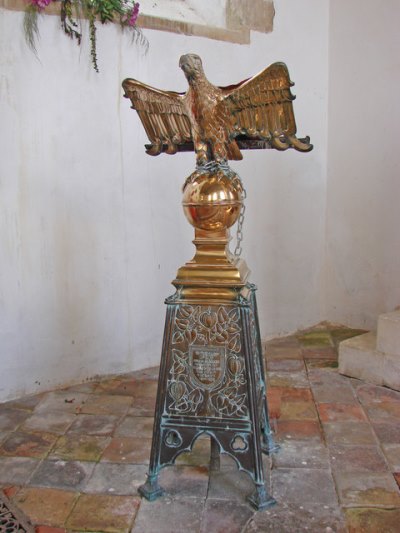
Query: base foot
[(151, 490), (260, 499)]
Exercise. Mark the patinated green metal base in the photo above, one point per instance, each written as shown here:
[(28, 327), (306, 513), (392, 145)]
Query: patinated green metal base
[(212, 382)]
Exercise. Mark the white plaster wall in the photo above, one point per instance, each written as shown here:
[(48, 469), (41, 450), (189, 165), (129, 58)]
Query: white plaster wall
[(363, 216), (92, 230)]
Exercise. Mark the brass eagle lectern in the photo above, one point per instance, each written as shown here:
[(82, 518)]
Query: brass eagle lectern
[(212, 378)]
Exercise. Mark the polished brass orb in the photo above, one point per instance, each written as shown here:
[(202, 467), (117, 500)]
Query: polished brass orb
[(212, 200)]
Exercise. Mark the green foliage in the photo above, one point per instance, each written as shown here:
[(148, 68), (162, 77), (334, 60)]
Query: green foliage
[(72, 11)]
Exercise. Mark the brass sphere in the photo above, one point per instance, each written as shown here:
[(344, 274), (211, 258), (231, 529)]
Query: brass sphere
[(212, 200)]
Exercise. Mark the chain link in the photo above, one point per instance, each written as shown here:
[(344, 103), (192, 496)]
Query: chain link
[(239, 231)]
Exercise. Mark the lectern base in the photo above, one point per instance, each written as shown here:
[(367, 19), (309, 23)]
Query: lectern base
[(212, 382)]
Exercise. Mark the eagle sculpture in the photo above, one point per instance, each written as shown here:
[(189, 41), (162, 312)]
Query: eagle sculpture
[(218, 121)]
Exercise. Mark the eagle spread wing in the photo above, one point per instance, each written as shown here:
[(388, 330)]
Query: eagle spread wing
[(162, 114), (261, 108), (257, 109)]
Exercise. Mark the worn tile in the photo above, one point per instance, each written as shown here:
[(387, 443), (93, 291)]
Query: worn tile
[(285, 365), (298, 410), (303, 485), (114, 478), (297, 380), (142, 407), (102, 512), (87, 387), (58, 474), (67, 402), (128, 450), (293, 394), (136, 426), (48, 421), (49, 529), (185, 481), (349, 432), (396, 476), (27, 403), (310, 354), (221, 516), (275, 353), (16, 470), (326, 364), (340, 412), (315, 339), (357, 459), (106, 404), (373, 394), (297, 518), (43, 506), (28, 444), (78, 447), (361, 520), (168, 515), (101, 425), (11, 418), (367, 489), (392, 454), (331, 393), (298, 429), (384, 411), (231, 484), (387, 432), (295, 454)]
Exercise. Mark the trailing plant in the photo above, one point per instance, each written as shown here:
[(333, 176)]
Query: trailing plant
[(124, 12)]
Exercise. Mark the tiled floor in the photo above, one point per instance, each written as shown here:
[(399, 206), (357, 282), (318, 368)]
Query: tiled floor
[(72, 459)]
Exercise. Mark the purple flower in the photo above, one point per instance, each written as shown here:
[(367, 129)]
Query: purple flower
[(40, 4), (133, 16)]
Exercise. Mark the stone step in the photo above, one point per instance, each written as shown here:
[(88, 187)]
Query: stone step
[(388, 339), (359, 358)]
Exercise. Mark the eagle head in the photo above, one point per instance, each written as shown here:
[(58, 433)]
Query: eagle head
[(192, 66)]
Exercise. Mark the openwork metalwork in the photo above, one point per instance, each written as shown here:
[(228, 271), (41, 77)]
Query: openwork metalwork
[(212, 378), (11, 519)]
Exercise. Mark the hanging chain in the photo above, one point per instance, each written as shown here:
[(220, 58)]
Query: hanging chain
[(239, 231)]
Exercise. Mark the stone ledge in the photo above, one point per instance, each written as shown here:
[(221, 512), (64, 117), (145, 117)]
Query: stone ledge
[(359, 358), (235, 35)]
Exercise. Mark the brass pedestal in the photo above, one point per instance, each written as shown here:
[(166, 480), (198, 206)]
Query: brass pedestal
[(212, 377)]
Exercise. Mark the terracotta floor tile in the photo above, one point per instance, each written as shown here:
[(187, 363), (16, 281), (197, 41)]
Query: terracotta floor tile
[(48, 421), (128, 450), (28, 444), (168, 515), (367, 489), (136, 426), (387, 432), (101, 512), (78, 447), (373, 394), (349, 432), (303, 485), (66, 475), (298, 410), (287, 379), (11, 419), (384, 411), (231, 484), (357, 459), (48, 507), (298, 429), (115, 478), (298, 518), (293, 394), (185, 481), (361, 520), (101, 425), (67, 402), (297, 454), (27, 403), (142, 407), (199, 456), (16, 470), (49, 529), (106, 404), (327, 353), (340, 412), (315, 339), (285, 365), (326, 364), (396, 476), (221, 516), (392, 454)]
